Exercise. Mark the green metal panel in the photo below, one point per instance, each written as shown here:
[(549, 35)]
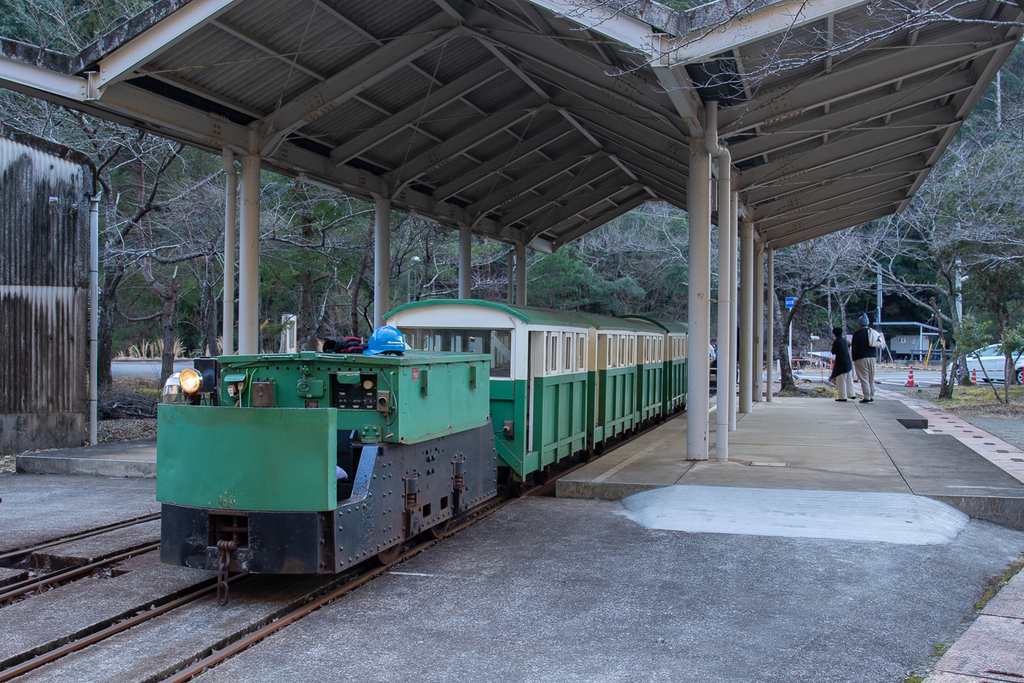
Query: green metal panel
[(278, 459), (508, 404), (675, 385), (528, 314), (429, 394), (616, 402), (559, 416), (650, 390)]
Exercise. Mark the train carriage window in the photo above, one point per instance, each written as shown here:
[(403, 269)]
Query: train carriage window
[(498, 343), (567, 351), (552, 359), (581, 348)]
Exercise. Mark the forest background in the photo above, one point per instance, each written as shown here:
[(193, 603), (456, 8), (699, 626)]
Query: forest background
[(961, 240)]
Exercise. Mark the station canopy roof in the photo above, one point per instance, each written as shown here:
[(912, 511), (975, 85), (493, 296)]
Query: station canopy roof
[(536, 121)]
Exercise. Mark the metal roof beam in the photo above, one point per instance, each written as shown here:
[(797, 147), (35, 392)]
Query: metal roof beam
[(121, 62), (984, 71), (745, 28), (828, 228), (548, 172), (860, 77), (773, 141), (826, 196), (375, 67), (22, 77), (788, 224), (443, 152), (612, 128), (519, 151), (559, 191), (601, 219), (606, 21), (827, 218), (418, 110), (841, 148), (885, 165), (559, 215)]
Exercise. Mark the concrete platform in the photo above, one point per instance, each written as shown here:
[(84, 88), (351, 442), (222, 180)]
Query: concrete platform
[(569, 591), (125, 459), (823, 445), (39, 509)]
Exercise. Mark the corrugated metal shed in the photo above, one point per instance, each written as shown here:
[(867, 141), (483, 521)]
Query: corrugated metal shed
[(44, 280)]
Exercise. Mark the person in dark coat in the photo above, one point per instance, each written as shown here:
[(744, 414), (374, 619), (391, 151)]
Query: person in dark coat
[(864, 359), (842, 367)]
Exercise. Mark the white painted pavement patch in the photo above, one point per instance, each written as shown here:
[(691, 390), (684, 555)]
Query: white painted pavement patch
[(839, 515)]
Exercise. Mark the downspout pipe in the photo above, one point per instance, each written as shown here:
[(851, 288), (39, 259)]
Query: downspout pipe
[(725, 389), (94, 312)]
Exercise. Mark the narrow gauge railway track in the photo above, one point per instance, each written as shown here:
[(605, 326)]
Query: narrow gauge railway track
[(13, 557), (38, 583), (346, 583)]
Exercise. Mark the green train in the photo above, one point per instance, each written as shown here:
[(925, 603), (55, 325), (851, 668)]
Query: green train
[(561, 383), (313, 462)]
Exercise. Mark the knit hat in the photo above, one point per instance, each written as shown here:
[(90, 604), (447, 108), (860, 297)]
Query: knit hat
[(864, 320)]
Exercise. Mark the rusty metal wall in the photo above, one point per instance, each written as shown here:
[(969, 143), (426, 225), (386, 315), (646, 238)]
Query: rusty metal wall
[(44, 280)]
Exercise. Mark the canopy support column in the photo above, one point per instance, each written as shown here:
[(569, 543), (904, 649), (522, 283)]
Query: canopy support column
[(381, 260), (521, 274), (733, 305), (230, 227), (465, 262), (746, 361), (758, 320), (249, 247), (724, 388), (771, 324), (511, 277), (699, 300), (94, 313)]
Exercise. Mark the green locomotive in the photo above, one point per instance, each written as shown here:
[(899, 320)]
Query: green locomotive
[(314, 462)]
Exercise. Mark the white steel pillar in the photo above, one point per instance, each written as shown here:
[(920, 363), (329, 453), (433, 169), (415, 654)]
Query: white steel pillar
[(381, 260), (746, 362), (521, 274), (733, 305), (249, 247), (758, 320), (771, 324), (698, 207), (94, 313), (511, 277), (724, 388), (230, 227), (465, 262)]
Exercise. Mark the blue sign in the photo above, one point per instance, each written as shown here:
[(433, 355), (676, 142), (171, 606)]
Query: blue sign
[(790, 300)]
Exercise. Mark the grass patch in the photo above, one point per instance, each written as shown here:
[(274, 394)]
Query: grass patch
[(993, 585), (975, 401)]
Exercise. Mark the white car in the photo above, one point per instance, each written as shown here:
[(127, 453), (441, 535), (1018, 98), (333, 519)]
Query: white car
[(992, 358)]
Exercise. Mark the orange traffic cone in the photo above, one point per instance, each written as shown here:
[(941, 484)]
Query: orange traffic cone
[(910, 378), (974, 376)]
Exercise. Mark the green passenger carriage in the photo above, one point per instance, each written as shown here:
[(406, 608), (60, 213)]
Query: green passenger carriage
[(538, 372), (674, 356)]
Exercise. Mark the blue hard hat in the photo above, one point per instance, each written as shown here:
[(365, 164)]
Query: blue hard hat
[(386, 339)]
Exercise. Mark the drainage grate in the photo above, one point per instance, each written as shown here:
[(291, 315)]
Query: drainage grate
[(768, 464)]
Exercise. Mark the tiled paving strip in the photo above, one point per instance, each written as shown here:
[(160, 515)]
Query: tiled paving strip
[(1006, 457)]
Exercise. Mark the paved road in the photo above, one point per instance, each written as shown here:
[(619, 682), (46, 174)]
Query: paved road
[(143, 368), (922, 378)]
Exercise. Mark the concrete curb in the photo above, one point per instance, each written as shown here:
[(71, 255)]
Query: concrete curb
[(46, 464)]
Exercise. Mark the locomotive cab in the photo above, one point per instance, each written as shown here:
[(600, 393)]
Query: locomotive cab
[(314, 462)]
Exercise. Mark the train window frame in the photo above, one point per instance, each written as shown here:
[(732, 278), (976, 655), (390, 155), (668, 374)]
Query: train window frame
[(498, 342), (582, 348)]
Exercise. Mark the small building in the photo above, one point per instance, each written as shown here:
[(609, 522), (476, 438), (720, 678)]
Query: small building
[(909, 340), (44, 286)]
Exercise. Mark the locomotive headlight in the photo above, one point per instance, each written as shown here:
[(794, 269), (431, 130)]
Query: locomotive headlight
[(190, 381)]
